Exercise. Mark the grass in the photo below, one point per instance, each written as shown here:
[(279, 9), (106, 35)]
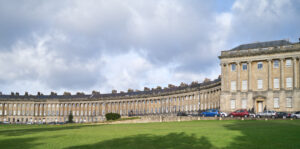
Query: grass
[(272, 134)]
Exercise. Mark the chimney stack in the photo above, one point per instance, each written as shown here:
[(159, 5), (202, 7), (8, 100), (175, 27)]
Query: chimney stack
[(26, 93), (17, 93), (12, 93), (0, 93), (39, 93)]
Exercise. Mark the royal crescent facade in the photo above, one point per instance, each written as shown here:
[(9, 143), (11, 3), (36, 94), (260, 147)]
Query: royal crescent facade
[(256, 76)]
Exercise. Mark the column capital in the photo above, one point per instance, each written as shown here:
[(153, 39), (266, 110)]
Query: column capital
[(269, 60)]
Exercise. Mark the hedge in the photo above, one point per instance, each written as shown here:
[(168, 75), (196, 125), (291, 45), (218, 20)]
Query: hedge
[(112, 116)]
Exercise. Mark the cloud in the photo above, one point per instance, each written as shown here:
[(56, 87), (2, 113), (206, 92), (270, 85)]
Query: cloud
[(104, 45)]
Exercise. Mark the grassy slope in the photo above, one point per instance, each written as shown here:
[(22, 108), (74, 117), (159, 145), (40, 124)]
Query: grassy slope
[(187, 135)]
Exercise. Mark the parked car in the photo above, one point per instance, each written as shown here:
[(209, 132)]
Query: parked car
[(266, 113), (296, 114), (281, 115), (211, 112), (239, 113), (252, 114), (223, 114), (181, 114), (6, 122)]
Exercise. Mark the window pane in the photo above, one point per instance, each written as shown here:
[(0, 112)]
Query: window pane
[(244, 85), (288, 102), (244, 103), (276, 102), (233, 85), (259, 84), (259, 65), (233, 67), (233, 104), (276, 83), (244, 66), (276, 64), (289, 82), (288, 62)]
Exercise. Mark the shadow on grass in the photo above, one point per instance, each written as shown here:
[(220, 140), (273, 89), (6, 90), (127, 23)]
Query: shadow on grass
[(37, 129), (145, 141), (266, 135), (19, 143)]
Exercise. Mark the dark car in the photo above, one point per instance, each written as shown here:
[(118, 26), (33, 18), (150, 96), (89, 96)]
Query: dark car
[(281, 115), (211, 112), (181, 114), (239, 113)]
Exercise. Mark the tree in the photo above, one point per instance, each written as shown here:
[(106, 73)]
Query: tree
[(70, 117)]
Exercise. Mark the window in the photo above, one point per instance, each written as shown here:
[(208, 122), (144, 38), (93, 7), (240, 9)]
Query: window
[(232, 103), (276, 64), (233, 67), (259, 65), (289, 82), (276, 102), (276, 83), (244, 85), (233, 85), (244, 66), (259, 84), (288, 63), (244, 103), (288, 102)]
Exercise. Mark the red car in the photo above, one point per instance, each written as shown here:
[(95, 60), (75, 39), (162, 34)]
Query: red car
[(239, 113)]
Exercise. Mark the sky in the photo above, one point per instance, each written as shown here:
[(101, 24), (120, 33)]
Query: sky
[(86, 45)]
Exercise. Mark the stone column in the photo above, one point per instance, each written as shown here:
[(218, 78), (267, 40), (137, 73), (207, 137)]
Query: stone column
[(298, 73), (238, 77), (295, 72), (227, 77), (281, 74), (269, 74), (249, 75)]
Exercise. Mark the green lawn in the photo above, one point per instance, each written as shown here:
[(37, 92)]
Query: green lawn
[(272, 134)]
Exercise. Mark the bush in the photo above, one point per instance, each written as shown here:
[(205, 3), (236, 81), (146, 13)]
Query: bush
[(112, 116)]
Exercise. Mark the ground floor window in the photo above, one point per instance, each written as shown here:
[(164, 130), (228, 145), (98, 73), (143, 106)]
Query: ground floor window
[(232, 103), (288, 102), (244, 103), (276, 102)]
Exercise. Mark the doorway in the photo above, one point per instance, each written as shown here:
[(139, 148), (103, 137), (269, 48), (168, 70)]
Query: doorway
[(260, 106)]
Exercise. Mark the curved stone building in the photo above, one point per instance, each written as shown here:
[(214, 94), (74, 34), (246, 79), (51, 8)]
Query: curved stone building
[(40, 108), (256, 76)]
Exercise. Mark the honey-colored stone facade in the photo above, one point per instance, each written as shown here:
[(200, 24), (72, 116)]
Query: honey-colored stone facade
[(252, 78), (92, 108), (274, 85)]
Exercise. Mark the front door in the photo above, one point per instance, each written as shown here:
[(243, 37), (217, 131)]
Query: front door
[(260, 106)]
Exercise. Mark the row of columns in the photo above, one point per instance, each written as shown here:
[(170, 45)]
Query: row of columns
[(296, 76), (173, 104)]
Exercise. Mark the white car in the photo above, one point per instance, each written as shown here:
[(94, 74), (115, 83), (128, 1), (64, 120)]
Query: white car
[(296, 115), (223, 114)]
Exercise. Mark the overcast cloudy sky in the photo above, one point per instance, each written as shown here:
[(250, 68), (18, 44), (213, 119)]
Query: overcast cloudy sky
[(85, 45)]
